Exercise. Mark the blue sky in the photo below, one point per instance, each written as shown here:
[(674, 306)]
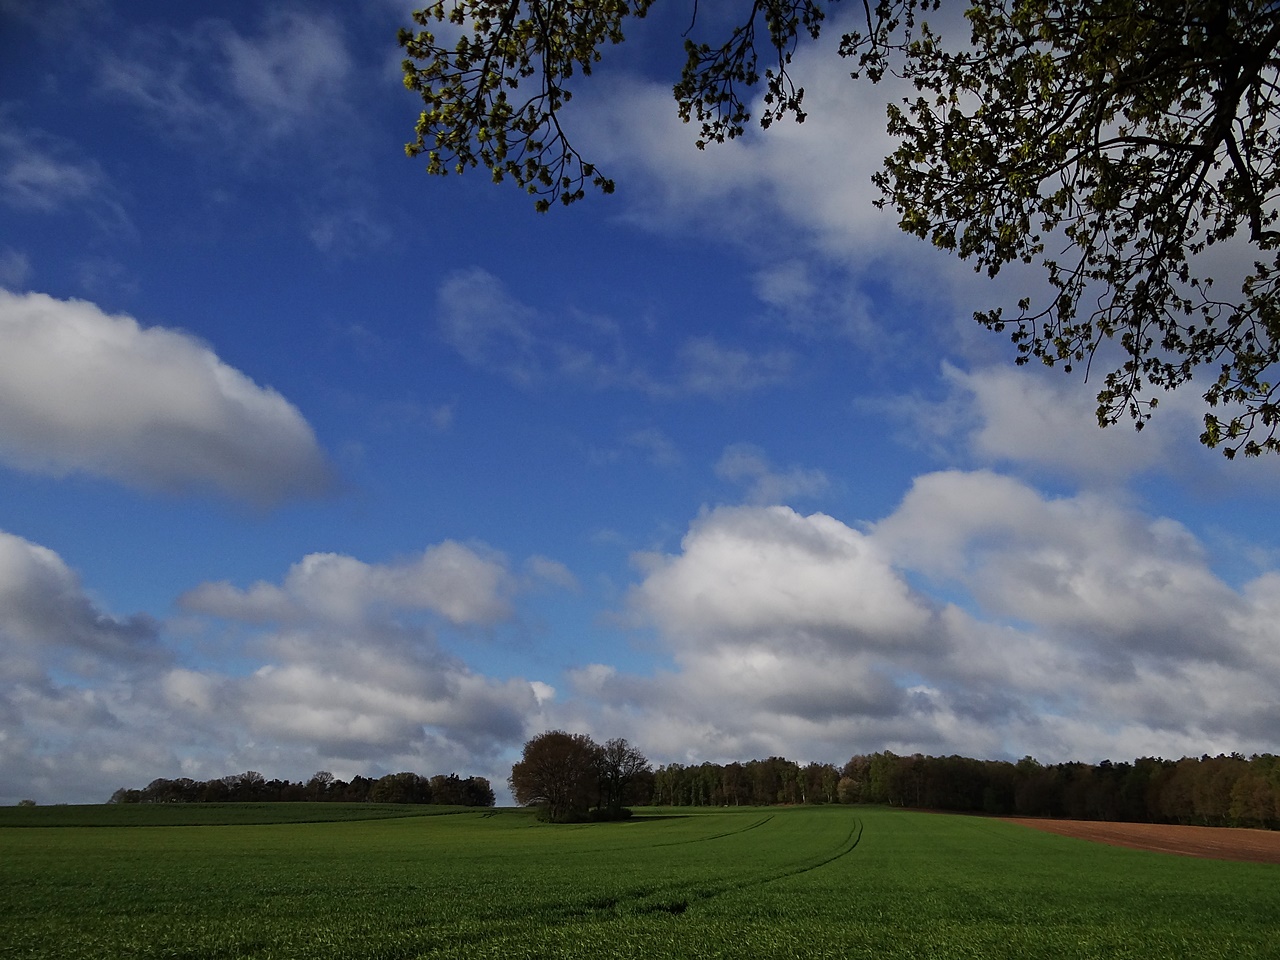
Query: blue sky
[(310, 461)]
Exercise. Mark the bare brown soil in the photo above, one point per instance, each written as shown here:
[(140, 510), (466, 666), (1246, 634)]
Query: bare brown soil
[(1215, 843)]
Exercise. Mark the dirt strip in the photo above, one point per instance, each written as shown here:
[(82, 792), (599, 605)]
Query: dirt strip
[(1215, 843)]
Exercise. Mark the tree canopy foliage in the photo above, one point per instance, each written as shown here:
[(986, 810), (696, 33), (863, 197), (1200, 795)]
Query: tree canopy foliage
[(1115, 144), (251, 786), (569, 774)]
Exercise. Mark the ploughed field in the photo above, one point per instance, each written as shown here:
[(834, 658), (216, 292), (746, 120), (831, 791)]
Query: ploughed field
[(239, 881), (1219, 843)]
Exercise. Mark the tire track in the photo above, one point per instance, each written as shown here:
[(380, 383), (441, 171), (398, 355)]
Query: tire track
[(676, 898)]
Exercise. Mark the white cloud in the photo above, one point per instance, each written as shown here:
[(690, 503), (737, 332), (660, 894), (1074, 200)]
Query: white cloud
[(815, 175), (1069, 628), (297, 67), (707, 367), (1045, 421), (35, 178), (773, 575), (81, 390), (552, 572), (1087, 566), (68, 670), (459, 583), (43, 608), (347, 671), (334, 670), (1048, 420)]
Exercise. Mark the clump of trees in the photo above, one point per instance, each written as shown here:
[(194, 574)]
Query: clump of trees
[(573, 778), (1211, 791), (253, 787)]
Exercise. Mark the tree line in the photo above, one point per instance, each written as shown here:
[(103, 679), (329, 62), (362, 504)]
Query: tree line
[(1212, 791), (252, 786)]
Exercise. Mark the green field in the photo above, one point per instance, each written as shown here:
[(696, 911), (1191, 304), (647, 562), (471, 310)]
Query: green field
[(762, 882)]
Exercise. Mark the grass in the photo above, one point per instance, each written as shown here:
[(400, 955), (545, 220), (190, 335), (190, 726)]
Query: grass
[(817, 882)]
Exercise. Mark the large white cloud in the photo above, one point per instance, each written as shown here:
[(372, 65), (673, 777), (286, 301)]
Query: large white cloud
[(770, 573), (346, 666), (44, 611), (331, 668), (68, 673), (81, 390), (1084, 565), (981, 617)]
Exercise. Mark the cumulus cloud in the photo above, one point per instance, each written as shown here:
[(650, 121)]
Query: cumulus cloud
[(1085, 566), (333, 667), (459, 583), (348, 670), (81, 390), (1007, 414), (980, 617), (43, 607), (771, 574), (67, 670)]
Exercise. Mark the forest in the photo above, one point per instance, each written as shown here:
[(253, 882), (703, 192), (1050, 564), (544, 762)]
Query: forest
[(1224, 790), (1212, 791), (253, 787)]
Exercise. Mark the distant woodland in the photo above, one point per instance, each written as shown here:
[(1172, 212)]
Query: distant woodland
[(1214, 791), (253, 787)]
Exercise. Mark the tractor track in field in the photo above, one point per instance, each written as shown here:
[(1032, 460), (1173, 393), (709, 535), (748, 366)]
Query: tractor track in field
[(676, 899), (718, 836)]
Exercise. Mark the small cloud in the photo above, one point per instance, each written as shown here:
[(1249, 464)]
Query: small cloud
[(553, 572), (488, 327), (441, 416), (783, 284), (747, 465), (248, 89), (493, 330), (15, 268), (347, 231), (43, 173), (707, 367), (654, 445), (464, 585)]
